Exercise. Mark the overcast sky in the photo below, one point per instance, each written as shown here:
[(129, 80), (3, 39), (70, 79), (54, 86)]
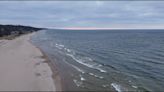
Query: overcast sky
[(93, 14)]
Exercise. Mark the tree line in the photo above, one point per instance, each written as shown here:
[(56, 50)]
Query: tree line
[(6, 30)]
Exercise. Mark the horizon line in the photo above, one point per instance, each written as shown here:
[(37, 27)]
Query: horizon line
[(86, 28)]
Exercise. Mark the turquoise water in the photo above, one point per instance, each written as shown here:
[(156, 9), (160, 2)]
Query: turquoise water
[(106, 60)]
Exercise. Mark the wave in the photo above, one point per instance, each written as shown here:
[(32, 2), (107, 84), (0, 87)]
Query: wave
[(160, 54), (117, 87), (82, 78), (59, 46), (96, 75), (78, 69), (149, 60), (87, 62), (134, 86), (78, 83), (82, 60), (105, 85), (68, 50)]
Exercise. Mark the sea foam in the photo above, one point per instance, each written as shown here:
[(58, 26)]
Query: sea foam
[(78, 69), (82, 78), (78, 83), (87, 62), (96, 75), (117, 87)]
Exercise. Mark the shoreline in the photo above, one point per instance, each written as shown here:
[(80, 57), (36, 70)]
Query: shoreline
[(24, 67), (56, 77)]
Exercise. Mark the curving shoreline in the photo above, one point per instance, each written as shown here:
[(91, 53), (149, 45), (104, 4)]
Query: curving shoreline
[(55, 73), (23, 68)]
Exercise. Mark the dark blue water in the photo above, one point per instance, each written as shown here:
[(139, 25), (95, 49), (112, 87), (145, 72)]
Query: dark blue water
[(106, 60)]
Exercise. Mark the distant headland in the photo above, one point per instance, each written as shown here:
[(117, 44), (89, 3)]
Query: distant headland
[(10, 31)]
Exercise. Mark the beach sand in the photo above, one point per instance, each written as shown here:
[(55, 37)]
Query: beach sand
[(22, 67)]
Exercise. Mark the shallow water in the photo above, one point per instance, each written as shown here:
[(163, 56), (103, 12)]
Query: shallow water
[(106, 60)]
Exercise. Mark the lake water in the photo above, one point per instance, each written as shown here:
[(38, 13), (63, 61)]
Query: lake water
[(106, 60)]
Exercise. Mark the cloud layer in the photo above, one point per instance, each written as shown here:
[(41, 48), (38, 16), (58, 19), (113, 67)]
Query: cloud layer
[(82, 13)]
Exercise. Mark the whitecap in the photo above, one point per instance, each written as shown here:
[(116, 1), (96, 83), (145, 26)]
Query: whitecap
[(105, 85), (78, 69), (60, 45), (134, 86), (82, 78), (96, 75), (87, 62), (91, 74), (101, 70), (78, 83), (117, 87), (68, 50)]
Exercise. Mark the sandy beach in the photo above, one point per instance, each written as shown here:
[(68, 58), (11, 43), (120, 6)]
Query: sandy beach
[(22, 67)]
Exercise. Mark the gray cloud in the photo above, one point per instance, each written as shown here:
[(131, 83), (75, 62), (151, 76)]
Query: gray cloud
[(81, 13)]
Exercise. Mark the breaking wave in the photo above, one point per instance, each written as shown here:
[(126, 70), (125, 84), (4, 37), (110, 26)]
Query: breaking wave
[(87, 62)]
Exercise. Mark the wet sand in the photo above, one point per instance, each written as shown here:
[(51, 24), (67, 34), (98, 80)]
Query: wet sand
[(23, 68)]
